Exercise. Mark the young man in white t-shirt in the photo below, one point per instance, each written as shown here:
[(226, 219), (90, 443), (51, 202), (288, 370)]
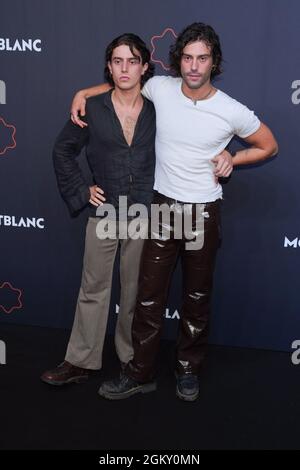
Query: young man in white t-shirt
[(195, 122)]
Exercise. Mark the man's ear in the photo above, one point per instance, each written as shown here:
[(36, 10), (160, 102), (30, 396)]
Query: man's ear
[(109, 67), (145, 68)]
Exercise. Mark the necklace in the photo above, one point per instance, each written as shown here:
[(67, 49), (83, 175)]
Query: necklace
[(203, 98)]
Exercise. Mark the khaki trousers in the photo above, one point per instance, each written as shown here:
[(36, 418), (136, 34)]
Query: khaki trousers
[(89, 328)]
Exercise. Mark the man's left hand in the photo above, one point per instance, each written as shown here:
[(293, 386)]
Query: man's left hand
[(223, 164)]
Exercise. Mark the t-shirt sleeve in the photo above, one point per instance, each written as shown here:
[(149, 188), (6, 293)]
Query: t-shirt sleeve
[(245, 121), (151, 87)]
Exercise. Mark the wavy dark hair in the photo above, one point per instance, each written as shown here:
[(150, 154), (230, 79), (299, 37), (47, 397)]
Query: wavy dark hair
[(192, 33), (133, 42)]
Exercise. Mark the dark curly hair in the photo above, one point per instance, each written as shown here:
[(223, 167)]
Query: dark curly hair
[(133, 42), (192, 33)]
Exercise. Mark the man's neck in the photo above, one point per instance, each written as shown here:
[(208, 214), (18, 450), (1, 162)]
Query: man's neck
[(127, 98), (195, 94)]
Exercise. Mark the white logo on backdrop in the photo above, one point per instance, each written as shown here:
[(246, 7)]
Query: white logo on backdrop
[(168, 315), (2, 352), (20, 45), (24, 222), (295, 243), (2, 92)]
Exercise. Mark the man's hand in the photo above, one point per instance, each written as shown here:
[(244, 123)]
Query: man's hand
[(78, 108), (223, 164), (96, 196), (79, 101)]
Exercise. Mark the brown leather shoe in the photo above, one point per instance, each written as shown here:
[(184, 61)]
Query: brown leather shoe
[(65, 373)]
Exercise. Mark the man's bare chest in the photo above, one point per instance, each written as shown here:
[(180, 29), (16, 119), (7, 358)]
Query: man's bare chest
[(128, 120)]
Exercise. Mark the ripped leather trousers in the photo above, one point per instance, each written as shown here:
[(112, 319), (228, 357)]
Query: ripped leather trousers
[(159, 257)]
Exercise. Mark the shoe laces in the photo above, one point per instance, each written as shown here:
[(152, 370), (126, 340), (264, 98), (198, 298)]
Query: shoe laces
[(188, 380)]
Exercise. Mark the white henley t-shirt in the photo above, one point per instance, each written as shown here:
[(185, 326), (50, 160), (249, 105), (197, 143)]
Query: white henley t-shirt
[(189, 135)]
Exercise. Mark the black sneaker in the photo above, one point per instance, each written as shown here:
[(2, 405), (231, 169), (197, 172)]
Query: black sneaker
[(124, 387), (187, 387)]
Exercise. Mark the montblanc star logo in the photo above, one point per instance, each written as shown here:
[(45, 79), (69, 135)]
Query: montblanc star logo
[(10, 298), (7, 136), (160, 47)]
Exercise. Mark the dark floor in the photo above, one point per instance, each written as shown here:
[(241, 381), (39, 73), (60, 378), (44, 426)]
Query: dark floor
[(249, 400)]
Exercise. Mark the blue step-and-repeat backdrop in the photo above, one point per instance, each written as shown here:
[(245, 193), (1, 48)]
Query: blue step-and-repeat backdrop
[(50, 49)]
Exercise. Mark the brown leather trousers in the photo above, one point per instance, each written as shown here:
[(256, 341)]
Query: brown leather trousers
[(158, 261)]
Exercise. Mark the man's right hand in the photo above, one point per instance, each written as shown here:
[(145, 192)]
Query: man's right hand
[(78, 108), (96, 196), (79, 101)]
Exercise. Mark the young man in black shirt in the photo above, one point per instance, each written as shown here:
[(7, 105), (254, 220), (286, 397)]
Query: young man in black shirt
[(119, 142)]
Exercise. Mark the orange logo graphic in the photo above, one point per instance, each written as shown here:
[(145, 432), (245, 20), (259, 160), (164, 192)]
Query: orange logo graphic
[(7, 136), (167, 36), (12, 298)]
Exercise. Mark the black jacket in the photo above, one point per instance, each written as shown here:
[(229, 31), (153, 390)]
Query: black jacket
[(119, 169)]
